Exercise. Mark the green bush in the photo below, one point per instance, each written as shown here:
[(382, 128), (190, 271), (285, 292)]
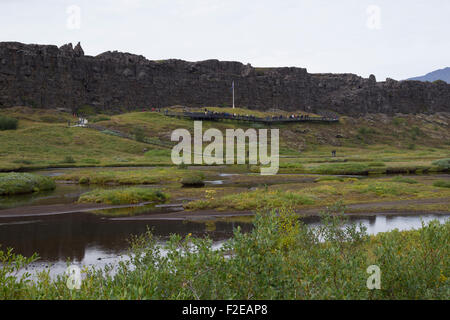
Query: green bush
[(442, 184), (193, 180), (8, 123), (139, 134), (442, 164), (19, 183), (281, 258)]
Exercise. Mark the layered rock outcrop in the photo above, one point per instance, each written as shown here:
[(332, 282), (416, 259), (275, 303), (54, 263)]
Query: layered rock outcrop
[(51, 77)]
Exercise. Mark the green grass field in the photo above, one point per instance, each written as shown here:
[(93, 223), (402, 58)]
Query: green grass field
[(43, 139)]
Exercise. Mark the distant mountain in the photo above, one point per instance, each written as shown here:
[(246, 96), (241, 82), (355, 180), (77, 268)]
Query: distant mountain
[(441, 74)]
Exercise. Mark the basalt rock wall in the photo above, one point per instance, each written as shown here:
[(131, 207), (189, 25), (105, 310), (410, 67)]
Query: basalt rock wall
[(46, 76)]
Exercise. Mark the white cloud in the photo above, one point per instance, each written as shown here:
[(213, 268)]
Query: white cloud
[(320, 35)]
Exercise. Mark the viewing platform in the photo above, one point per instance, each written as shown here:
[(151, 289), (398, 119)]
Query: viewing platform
[(216, 116)]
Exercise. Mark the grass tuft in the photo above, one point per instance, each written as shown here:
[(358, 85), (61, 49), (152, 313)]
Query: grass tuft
[(132, 195), (20, 183)]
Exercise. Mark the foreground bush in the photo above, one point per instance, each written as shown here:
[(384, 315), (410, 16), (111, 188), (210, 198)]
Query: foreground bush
[(8, 123), (280, 259), (19, 183), (442, 184), (123, 196), (443, 164)]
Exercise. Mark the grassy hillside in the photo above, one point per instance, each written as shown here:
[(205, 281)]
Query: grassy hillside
[(43, 139)]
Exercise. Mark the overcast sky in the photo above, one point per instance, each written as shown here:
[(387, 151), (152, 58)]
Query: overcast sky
[(397, 39)]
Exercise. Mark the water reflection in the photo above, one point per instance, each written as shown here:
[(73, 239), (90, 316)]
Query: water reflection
[(58, 238), (81, 235), (64, 193)]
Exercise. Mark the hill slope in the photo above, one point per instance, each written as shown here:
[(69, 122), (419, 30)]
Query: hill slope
[(43, 139), (441, 74)]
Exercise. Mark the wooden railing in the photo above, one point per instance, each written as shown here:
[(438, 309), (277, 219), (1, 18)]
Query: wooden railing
[(214, 116)]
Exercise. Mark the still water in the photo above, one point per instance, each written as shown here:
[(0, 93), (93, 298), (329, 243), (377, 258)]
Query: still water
[(87, 238)]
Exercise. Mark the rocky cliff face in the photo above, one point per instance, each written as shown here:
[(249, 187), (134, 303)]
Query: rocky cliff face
[(51, 77)]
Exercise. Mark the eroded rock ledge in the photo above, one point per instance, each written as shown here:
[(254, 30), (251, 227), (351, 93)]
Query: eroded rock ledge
[(51, 77)]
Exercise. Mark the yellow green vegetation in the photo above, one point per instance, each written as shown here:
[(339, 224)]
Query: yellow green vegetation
[(281, 258), (373, 144), (252, 200), (442, 184), (43, 139), (134, 176), (131, 195), (193, 179), (19, 183), (325, 191)]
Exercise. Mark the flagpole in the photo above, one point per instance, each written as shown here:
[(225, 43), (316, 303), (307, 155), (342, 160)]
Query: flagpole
[(233, 94)]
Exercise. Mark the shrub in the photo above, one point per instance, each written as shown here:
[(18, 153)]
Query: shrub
[(442, 164), (193, 180), (442, 184), (8, 123), (84, 180), (139, 134), (280, 258), (19, 183)]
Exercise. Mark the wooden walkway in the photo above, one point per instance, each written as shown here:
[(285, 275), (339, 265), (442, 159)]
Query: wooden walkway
[(214, 116)]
